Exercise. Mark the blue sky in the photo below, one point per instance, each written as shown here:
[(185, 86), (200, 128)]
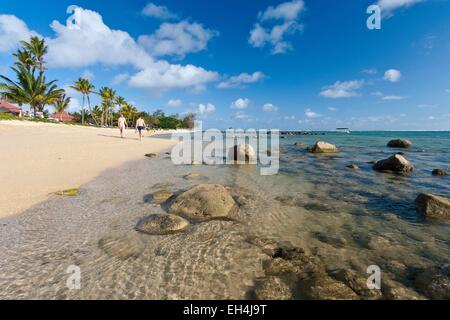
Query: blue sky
[(305, 65)]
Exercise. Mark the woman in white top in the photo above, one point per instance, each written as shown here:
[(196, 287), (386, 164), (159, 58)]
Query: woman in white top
[(122, 125)]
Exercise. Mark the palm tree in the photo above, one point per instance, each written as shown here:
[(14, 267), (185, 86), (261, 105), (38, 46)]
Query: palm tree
[(61, 105), (85, 88), (37, 47), (129, 112), (108, 96), (29, 89), (24, 58)]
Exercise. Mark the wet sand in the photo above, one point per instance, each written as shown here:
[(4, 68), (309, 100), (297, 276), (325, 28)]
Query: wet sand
[(38, 159)]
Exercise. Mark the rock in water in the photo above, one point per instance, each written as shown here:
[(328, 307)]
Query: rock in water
[(161, 196), (323, 147), (433, 206), (356, 282), (205, 202), (122, 247), (399, 143), (326, 288), (192, 176), (299, 144), (353, 166), (243, 154), (151, 155), (439, 172), (396, 163), (435, 282), (272, 288), (162, 224)]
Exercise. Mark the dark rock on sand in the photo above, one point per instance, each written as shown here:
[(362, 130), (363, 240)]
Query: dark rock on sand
[(357, 283), (162, 224), (161, 196), (396, 164), (205, 202), (323, 147), (272, 288), (439, 172), (399, 143), (242, 154), (433, 206), (122, 247), (434, 282), (151, 155)]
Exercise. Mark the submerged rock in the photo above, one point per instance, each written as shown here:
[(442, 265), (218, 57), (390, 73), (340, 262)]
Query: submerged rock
[(161, 196), (439, 172), (68, 192), (205, 202), (122, 247), (435, 282), (323, 147), (290, 201), (395, 291), (272, 288), (326, 288), (192, 175), (356, 282), (331, 239), (162, 224), (433, 206), (242, 154), (399, 143), (353, 166), (396, 164), (299, 144)]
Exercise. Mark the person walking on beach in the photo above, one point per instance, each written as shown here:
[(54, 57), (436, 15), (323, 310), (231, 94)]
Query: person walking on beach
[(140, 126), (122, 125)]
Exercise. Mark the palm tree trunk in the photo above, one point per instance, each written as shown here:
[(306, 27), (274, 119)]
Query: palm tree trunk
[(90, 110), (82, 111)]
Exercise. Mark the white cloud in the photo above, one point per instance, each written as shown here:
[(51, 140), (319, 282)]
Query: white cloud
[(426, 106), (289, 117), (88, 74), (388, 6), (87, 41), (394, 97), (432, 117), (12, 31), (392, 75), (174, 103), (332, 109), (370, 71), (265, 32), (240, 115), (121, 77), (269, 107), (311, 114), (241, 103), (177, 39), (377, 93), (204, 110), (344, 89), (159, 12), (241, 80)]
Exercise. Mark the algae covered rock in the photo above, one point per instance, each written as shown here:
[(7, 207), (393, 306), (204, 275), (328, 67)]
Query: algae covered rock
[(162, 224)]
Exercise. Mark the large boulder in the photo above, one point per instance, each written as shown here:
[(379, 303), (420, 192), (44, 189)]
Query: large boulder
[(323, 147), (396, 163), (433, 206), (242, 154), (205, 202), (440, 172), (434, 282), (399, 143), (161, 196), (162, 224)]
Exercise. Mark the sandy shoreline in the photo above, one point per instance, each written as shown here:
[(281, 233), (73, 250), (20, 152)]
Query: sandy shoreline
[(38, 159)]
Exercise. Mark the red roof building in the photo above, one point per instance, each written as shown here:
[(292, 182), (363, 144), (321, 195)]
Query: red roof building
[(63, 117), (9, 108)]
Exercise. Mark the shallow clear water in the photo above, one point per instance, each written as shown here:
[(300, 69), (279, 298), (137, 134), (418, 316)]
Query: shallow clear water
[(353, 219)]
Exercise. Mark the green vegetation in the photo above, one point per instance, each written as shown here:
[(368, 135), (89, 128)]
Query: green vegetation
[(32, 88)]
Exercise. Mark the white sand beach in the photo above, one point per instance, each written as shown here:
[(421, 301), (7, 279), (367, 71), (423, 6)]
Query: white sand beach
[(38, 159)]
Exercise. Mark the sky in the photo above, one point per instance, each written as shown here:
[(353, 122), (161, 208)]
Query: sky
[(289, 65)]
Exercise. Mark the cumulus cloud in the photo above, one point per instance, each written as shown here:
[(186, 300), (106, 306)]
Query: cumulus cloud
[(86, 40), (345, 89), (388, 6), (158, 12), (392, 75), (370, 71), (274, 24), (311, 114), (240, 115), (120, 78), (12, 31), (205, 110), (241, 80), (177, 39), (269, 107), (332, 109), (240, 103), (174, 103)]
